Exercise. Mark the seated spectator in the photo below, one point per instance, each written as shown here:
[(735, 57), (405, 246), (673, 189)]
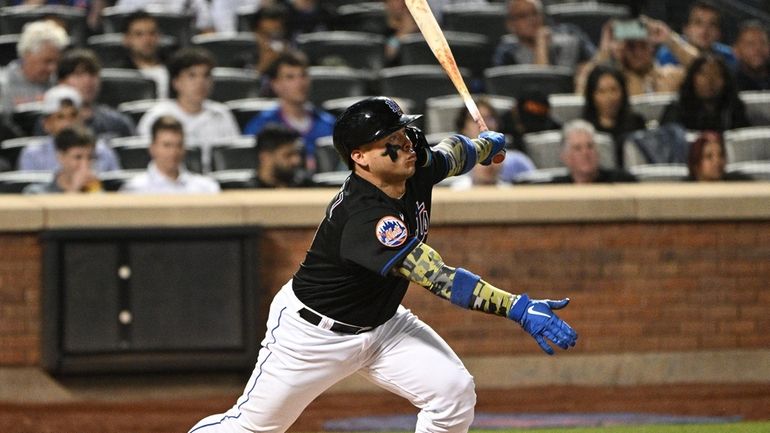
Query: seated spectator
[(166, 173), (536, 43), (634, 55), (532, 113), (400, 22), (752, 50), (205, 121), (92, 8), (61, 105), (270, 32), (702, 30), (200, 8), (79, 68), (515, 162), (307, 16), (75, 174), (607, 108), (279, 159), (707, 99), (141, 38), (581, 157), (224, 13), (27, 78), (290, 82), (706, 159)]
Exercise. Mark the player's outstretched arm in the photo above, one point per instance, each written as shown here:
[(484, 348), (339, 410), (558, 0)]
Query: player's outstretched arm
[(425, 267), (460, 152)]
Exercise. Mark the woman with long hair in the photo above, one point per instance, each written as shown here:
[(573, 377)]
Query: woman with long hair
[(607, 107), (706, 160)]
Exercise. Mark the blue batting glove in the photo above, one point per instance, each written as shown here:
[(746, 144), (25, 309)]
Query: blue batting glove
[(498, 143), (538, 319)]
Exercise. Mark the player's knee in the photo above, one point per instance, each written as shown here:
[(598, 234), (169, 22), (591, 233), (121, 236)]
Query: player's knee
[(457, 403)]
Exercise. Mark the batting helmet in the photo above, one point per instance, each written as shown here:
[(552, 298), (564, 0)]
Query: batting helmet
[(368, 120)]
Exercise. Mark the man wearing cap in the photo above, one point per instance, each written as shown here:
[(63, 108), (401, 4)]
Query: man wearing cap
[(61, 105), (341, 313)]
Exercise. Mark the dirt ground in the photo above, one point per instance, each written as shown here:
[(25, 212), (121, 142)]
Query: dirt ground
[(752, 402)]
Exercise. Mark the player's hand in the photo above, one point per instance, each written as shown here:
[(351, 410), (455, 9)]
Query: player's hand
[(498, 143), (419, 143), (538, 319)]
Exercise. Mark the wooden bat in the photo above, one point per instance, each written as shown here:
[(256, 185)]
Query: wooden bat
[(433, 35)]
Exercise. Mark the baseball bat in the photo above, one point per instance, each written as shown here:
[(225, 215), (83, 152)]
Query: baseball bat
[(438, 44)]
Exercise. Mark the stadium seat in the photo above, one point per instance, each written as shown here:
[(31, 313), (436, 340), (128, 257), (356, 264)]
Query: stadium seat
[(486, 19), (26, 116), (516, 80), (472, 51), (664, 144), (234, 83), (234, 179), (748, 144), (418, 83), (14, 182), (440, 111), (232, 50), (236, 154), (11, 148), (587, 16), (566, 106), (13, 18), (651, 105), (113, 180), (544, 148), (111, 52), (541, 175), (180, 26), (367, 17), (337, 106), (659, 172), (123, 85), (136, 109), (8, 48), (245, 109), (343, 48), (758, 170), (333, 82), (331, 178), (757, 106), (327, 158)]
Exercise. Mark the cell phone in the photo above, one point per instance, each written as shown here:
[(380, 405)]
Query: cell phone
[(629, 29)]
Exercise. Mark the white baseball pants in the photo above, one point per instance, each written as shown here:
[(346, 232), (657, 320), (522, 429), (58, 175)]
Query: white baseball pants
[(298, 361)]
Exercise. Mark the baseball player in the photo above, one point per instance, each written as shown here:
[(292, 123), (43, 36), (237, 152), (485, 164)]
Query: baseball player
[(340, 314)]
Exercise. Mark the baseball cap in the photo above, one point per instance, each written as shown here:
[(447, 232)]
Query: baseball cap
[(55, 96)]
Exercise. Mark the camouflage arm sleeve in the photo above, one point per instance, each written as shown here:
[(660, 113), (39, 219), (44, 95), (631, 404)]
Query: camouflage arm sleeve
[(462, 153), (424, 266)]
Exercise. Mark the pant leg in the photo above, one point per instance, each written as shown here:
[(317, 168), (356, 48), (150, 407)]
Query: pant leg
[(297, 362), (413, 361)]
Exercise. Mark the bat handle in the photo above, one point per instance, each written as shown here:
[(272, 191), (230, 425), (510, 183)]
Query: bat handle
[(500, 156)]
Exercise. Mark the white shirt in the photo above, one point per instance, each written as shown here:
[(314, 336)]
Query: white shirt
[(159, 74), (153, 181), (213, 124), (225, 13)]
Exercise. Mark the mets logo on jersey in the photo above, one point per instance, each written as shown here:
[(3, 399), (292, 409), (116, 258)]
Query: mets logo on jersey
[(391, 231)]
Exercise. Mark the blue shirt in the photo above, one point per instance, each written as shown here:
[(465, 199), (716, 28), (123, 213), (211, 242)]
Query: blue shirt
[(664, 56), (42, 156), (322, 125)]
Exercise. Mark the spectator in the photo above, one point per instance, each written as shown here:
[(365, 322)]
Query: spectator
[(706, 159), (707, 99), (79, 68), (75, 174), (532, 113), (701, 30), (504, 173), (307, 16), (166, 173), (270, 32), (92, 8), (536, 43), (634, 55), (290, 82), (581, 157), (205, 121), (141, 38), (199, 8), (752, 51), (401, 24), (224, 13), (279, 158), (27, 78), (607, 108), (61, 105)]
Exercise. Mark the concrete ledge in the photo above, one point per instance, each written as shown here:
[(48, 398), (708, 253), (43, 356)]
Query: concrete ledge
[(483, 205)]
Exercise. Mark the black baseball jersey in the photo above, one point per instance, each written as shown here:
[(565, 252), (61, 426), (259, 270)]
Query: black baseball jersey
[(346, 274)]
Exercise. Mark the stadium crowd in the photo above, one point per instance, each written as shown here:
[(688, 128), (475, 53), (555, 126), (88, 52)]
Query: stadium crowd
[(199, 96)]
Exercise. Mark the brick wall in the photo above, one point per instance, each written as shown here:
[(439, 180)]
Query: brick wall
[(635, 287)]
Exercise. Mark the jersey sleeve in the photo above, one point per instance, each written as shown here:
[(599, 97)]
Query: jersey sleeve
[(376, 239)]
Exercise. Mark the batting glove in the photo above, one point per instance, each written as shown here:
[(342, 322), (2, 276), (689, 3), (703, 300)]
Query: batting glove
[(538, 319), (420, 143), (498, 143)]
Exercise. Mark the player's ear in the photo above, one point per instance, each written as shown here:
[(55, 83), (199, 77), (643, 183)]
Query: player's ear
[(358, 157)]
